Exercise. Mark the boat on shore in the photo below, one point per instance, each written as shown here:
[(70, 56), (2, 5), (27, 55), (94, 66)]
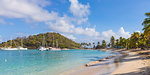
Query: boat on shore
[(9, 48), (43, 48), (21, 48), (54, 49)]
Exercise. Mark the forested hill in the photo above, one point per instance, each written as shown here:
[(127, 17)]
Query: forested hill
[(46, 39)]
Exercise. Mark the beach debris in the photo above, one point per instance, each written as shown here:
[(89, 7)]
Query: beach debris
[(95, 62)]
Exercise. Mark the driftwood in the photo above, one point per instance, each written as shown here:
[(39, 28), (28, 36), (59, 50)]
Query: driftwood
[(95, 62)]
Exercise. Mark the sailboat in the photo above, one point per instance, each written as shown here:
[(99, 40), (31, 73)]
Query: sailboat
[(54, 48), (42, 48), (21, 47), (9, 48)]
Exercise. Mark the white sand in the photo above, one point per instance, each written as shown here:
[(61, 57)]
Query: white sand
[(133, 65)]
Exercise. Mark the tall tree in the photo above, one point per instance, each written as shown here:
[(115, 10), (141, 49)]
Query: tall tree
[(112, 41), (90, 45), (135, 39), (104, 44), (98, 43), (117, 43), (146, 24), (93, 45)]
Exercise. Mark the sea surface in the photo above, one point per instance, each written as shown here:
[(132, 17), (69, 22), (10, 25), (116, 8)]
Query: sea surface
[(35, 62)]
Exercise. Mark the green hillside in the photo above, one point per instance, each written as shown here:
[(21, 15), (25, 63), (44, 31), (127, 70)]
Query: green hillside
[(34, 41)]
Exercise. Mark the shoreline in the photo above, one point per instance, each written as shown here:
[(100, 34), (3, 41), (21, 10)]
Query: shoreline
[(128, 62), (136, 63), (100, 67)]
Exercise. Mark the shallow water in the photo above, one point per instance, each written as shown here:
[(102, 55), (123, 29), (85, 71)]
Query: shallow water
[(34, 62)]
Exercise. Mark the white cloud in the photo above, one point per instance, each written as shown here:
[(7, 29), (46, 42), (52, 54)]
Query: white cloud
[(138, 31), (87, 31), (64, 25), (32, 10), (106, 35), (79, 11), (25, 9), (124, 34), (42, 3), (70, 36)]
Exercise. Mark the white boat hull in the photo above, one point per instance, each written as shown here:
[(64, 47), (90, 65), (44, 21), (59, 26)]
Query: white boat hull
[(43, 48), (21, 48), (54, 49), (9, 48)]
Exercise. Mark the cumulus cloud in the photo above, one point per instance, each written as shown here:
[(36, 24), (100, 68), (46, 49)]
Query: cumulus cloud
[(122, 33), (106, 35), (138, 31), (25, 9), (63, 25), (80, 11), (70, 36), (32, 10)]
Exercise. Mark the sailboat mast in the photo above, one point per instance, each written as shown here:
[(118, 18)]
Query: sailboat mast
[(53, 40), (21, 42), (11, 42), (43, 43), (56, 44), (6, 44)]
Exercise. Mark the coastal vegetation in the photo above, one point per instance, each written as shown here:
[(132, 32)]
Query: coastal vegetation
[(137, 39), (43, 39)]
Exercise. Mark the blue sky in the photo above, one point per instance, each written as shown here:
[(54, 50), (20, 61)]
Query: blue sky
[(80, 20)]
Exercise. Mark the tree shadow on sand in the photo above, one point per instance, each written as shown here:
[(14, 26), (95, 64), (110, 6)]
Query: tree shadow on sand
[(143, 71)]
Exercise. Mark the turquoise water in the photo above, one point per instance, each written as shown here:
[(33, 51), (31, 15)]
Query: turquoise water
[(34, 62)]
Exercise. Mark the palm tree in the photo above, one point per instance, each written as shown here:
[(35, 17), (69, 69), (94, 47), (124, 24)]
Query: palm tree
[(108, 44), (98, 43), (135, 38), (146, 24), (104, 44), (93, 45), (117, 43), (90, 44), (142, 41), (112, 41), (121, 41), (127, 43)]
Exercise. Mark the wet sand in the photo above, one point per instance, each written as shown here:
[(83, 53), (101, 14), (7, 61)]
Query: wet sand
[(105, 67), (130, 62)]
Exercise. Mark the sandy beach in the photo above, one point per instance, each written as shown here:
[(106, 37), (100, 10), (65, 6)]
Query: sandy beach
[(130, 62), (136, 63), (99, 68)]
